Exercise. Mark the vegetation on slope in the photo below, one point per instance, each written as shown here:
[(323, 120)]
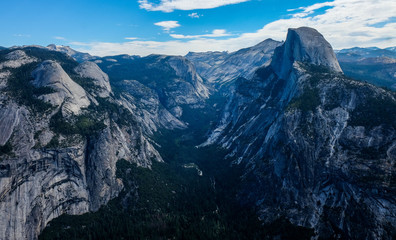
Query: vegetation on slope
[(376, 111)]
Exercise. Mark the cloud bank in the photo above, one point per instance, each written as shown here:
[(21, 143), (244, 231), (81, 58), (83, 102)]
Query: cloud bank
[(344, 23)]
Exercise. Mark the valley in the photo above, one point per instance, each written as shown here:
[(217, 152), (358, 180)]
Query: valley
[(275, 141)]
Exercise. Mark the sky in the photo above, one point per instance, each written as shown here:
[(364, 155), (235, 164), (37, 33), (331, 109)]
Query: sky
[(175, 27)]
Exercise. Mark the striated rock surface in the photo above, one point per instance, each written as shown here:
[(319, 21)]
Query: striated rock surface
[(225, 67), (203, 61), (104, 150), (8, 120), (304, 45), (101, 80), (146, 105)]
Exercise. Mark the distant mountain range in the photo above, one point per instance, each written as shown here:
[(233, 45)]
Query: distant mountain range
[(356, 53), (374, 65)]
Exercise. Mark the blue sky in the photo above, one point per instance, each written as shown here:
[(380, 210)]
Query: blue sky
[(108, 27)]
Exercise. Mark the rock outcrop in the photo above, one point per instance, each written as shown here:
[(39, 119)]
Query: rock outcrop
[(100, 79), (67, 93), (304, 45)]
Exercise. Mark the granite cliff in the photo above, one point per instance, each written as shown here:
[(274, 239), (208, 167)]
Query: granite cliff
[(319, 147)]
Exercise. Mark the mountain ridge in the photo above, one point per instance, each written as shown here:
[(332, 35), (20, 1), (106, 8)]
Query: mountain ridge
[(294, 125), (226, 67)]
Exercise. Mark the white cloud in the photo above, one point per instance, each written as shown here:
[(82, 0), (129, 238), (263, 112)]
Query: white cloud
[(59, 38), (305, 11), (131, 38), (346, 23), (170, 5), (21, 35), (194, 15), (215, 33), (167, 25)]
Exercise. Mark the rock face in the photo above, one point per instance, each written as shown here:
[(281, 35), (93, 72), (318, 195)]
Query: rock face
[(157, 87), (8, 121), (319, 148), (67, 93), (304, 45), (146, 105), (220, 67), (204, 61), (185, 70), (101, 80)]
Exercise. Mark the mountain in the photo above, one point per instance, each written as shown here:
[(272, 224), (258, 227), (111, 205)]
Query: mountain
[(62, 131), (78, 56), (319, 148), (391, 49), (65, 125), (160, 87), (221, 68), (269, 142), (375, 65), (203, 61)]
